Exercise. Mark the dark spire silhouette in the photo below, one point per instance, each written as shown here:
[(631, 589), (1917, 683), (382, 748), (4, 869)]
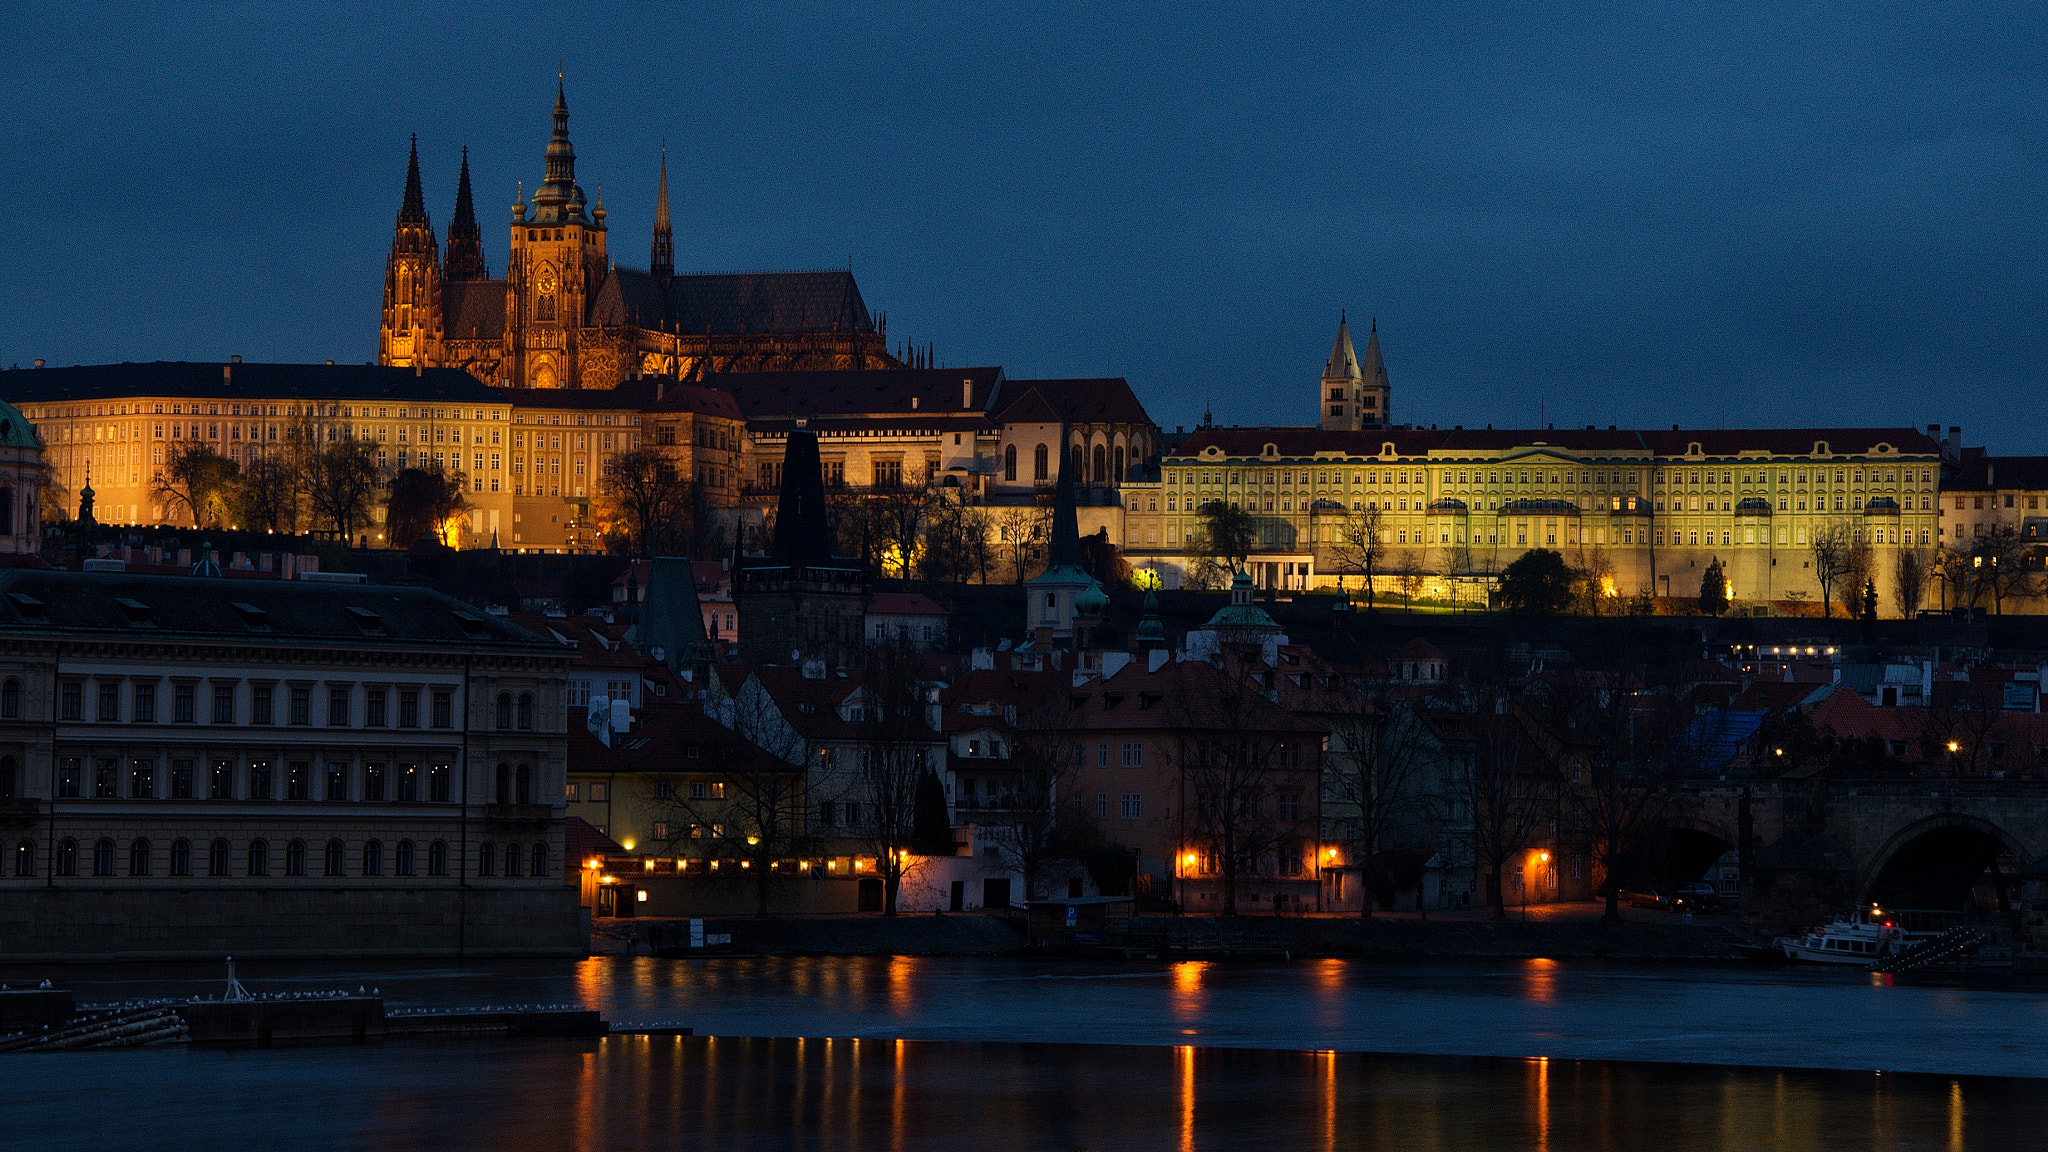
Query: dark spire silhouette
[(414, 210), (662, 260), (803, 537), (1065, 545), (465, 240)]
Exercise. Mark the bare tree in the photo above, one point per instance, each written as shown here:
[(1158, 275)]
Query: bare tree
[(1912, 568), (1025, 819), (1372, 769), (2002, 557), (754, 817), (1238, 754), (897, 745), (1359, 545), (1498, 785), (652, 500), (341, 479), (198, 480), (1832, 561), (272, 493), (1225, 536), (422, 502), (1020, 532)]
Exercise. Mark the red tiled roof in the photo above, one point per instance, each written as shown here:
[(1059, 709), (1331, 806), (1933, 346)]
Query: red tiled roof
[(903, 604), (1304, 441), (629, 396), (1097, 400), (582, 841), (680, 397), (1791, 441), (778, 395), (1307, 441)]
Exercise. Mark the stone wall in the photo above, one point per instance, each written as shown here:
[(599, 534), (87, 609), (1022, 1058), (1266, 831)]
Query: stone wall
[(93, 924)]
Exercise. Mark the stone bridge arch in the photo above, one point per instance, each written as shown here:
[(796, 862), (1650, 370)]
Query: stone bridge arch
[(1870, 870)]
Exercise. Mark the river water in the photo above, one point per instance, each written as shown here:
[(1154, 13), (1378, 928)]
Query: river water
[(945, 1053)]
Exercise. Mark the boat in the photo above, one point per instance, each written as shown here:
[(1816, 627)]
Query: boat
[(1878, 938)]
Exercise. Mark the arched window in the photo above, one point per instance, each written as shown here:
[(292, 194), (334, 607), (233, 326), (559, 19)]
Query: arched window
[(335, 862), (540, 859), (103, 858), (25, 858), (9, 786), (259, 858), (511, 859), (504, 783), (295, 858), (1101, 475), (373, 858), (401, 864), (1009, 462), (486, 860), (138, 857), (10, 700), (1116, 475), (1038, 471), (217, 858), (1077, 469), (67, 857), (525, 711), (504, 709), (523, 793), (181, 857), (437, 858)]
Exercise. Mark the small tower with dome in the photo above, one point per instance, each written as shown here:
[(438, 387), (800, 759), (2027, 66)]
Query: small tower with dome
[(21, 478)]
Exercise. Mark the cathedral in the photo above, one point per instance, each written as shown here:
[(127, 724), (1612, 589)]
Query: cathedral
[(563, 316)]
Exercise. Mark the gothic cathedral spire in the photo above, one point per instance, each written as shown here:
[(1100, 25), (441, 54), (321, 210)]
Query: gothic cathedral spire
[(662, 260), (465, 239), (410, 331)]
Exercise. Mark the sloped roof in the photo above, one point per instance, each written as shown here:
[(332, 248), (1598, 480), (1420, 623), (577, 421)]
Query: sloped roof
[(903, 604), (680, 397), (827, 301), (1307, 441), (473, 309), (1091, 400), (1343, 361), (1790, 441), (629, 396), (213, 380), (927, 392), (1983, 473)]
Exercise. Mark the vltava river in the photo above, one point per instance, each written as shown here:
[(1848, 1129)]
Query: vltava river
[(929, 1054)]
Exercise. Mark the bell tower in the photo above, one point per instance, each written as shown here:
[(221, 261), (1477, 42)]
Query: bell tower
[(1337, 394), (409, 333), (556, 265)]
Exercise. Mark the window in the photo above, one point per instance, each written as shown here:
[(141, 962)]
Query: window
[(217, 858), (295, 858), (443, 710), (408, 783), (1102, 805), (437, 858), (138, 857), (599, 792), (337, 780), (408, 708), (67, 857), (1010, 462), (302, 706), (373, 858), (337, 707), (504, 710), (1132, 805), (1102, 755), (110, 701), (220, 780), (401, 861), (68, 782), (504, 790), (223, 704), (298, 780), (104, 784), (70, 701), (259, 705), (142, 779), (525, 711), (10, 700), (103, 858), (335, 860), (486, 860), (437, 783), (184, 709), (143, 710), (523, 788), (259, 779), (540, 860), (1134, 755), (511, 859), (259, 858), (373, 708), (373, 781), (25, 858)]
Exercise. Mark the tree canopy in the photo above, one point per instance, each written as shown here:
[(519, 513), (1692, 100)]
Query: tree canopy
[(1538, 584)]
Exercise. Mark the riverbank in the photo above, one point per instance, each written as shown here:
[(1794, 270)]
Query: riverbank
[(1557, 932)]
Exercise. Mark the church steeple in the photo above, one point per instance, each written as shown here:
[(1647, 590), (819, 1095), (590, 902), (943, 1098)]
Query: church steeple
[(558, 199), (410, 329), (465, 239), (414, 210), (662, 260)]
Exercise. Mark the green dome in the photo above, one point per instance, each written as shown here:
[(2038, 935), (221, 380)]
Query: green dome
[(1092, 603), (16, 432)]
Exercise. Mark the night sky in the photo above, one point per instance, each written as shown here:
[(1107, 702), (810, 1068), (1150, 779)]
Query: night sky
[(1705, 214)]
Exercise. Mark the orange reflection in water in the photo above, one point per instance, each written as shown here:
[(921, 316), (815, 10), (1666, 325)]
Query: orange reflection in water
[(1187, 997), (1539, 1103), (1955, 1116), (1329, 1063), (1539, 979), (1184, 1063)]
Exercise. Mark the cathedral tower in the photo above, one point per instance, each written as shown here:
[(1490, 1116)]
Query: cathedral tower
[(556, 265), (1353, 394), (410, 332), (465, 239), (661, 260)]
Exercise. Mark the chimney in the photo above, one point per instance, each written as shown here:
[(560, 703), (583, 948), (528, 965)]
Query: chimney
[(234, 359), (227, 374), (330, 363), (913, 403), (39, 362), (660, 386), (967, 393), (1990, 475)]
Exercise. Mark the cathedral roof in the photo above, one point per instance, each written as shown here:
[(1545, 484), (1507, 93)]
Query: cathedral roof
[(473, 309), (727, 303), (15, 431), (217, 381), (931, 393)]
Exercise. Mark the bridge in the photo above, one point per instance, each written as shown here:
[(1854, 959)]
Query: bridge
[(1812, 849)]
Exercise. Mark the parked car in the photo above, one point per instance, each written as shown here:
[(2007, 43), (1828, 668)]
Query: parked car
[(1700, 897), (1644, 898)]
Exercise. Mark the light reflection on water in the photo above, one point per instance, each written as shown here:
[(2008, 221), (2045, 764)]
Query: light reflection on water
[(906, 1096)]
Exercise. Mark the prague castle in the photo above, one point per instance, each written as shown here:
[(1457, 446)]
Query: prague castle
[(564, 316)]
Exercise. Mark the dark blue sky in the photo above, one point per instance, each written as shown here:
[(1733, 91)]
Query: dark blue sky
[(1636, 214)]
